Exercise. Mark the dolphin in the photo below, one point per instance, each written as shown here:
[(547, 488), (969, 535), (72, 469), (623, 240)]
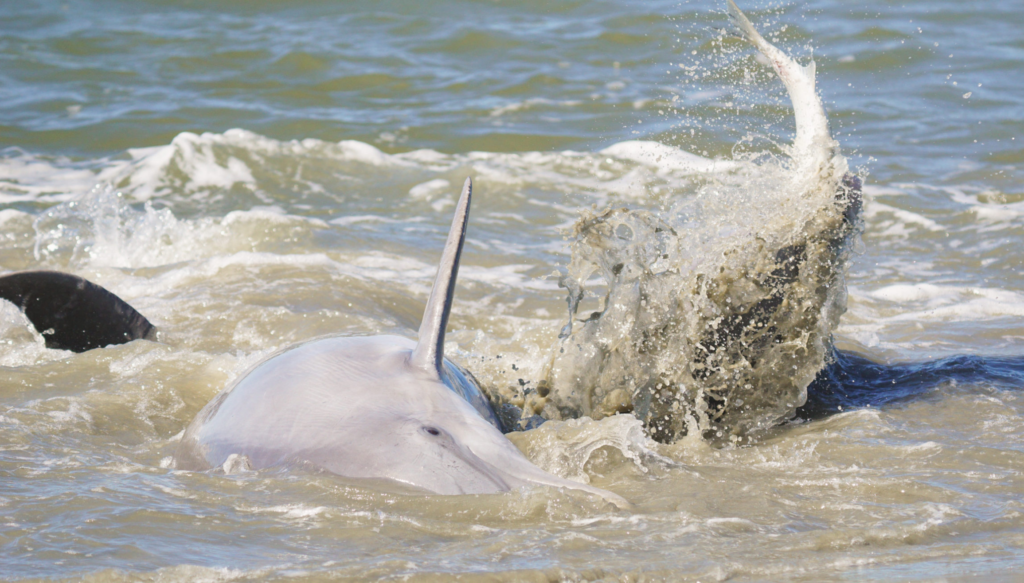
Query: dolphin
[(72, 313), (372, 407)]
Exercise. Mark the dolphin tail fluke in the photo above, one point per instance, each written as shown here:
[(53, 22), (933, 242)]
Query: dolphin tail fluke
[(429, 352), (72, 313)]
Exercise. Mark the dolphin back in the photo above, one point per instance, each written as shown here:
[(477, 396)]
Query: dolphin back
[(464, 384), (72, 313)]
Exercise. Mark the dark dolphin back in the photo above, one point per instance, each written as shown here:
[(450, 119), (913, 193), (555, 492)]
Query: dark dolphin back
[(72, 313), (853, 381)]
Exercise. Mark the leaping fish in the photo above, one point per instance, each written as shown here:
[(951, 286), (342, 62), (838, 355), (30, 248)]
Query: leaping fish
[(813, 147)]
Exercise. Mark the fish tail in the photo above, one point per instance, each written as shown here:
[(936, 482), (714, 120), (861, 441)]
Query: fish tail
[(743, 27)]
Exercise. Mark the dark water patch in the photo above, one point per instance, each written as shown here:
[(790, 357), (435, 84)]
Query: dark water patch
[(531, 85), (874, 34), (1007, 157), (236, 60), (301, 62), (382, 82)]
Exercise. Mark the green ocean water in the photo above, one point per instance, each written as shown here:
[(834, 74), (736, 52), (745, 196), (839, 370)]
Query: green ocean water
[(254, 174)]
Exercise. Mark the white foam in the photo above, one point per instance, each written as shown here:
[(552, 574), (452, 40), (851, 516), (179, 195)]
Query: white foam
[(197, 166), (1001, 213), (199, 160), (989, 211), (193, 574), (208, 268), (356, 219), (101, 230), (429, 189), (271, 214), (362, 152), (732, 522), (903, 218), (667, 159), (930, 302), (984, 204), (564, 447), (20, 343), (12, 215), (28, 177), (210, 161), (909, 292), (530, 104), (872, 191), (381, 266), (63, 411), (299, 511), (511, 276)]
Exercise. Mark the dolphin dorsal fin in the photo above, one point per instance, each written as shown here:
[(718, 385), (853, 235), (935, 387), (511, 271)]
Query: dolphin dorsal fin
[(72, 313), (429, 352)]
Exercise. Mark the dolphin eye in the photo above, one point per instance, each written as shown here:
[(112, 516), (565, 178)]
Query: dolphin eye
[(432, 430)]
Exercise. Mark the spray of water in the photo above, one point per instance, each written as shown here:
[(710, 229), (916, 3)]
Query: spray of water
[(715, 313)]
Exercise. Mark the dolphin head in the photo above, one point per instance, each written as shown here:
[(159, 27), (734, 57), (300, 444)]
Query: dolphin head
[(364, 409), (422, 453), (428, 436), (370, 411)]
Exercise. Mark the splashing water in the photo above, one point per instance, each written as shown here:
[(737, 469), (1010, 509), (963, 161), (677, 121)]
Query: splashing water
[(704, 325), (716, 312)]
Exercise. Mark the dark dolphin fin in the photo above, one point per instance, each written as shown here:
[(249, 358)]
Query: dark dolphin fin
[(429, 352), (72, 313)]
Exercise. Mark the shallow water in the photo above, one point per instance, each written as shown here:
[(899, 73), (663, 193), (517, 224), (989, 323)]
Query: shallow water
[(252, 174)]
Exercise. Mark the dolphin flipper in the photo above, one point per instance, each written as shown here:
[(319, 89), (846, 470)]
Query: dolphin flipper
[(429, 352), (72, 313)]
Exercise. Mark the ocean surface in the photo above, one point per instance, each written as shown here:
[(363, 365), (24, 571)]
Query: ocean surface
[(251, 174)]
